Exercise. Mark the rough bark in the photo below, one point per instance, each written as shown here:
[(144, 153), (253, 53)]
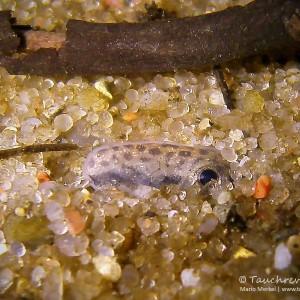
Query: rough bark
[(168, 44)]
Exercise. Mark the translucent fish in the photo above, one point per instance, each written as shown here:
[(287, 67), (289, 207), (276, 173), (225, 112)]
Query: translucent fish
[(155, 164)]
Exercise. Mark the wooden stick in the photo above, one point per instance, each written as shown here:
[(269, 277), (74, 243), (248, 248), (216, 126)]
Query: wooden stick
[(169, 44), (6, 153)]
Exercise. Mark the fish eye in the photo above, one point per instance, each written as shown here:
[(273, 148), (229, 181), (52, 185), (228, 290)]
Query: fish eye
[(207, 175)]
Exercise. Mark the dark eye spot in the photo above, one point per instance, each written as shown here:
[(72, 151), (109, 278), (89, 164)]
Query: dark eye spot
[(207, 175)]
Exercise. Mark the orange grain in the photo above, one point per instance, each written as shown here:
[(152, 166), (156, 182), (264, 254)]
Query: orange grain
[(130, 117), (262, 187), (42, 176), (75, 221), (113, 3)]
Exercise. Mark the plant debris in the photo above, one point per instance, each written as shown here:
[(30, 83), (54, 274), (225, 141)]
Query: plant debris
[(6, 153), (163, 45)]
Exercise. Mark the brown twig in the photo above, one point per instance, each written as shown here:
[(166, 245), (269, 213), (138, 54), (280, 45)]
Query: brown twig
[(227, 94), (36, 149), (162, 45)]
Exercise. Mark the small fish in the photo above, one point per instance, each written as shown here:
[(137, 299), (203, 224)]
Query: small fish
[(155, 164)]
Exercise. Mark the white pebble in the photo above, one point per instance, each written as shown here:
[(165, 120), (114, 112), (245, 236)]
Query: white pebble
[(54, 211), (72, 245), (17, 249), (6, 279), (216, 98), (229, 154), (283, 257), (58, 227), (236, 134), (188, 278), (153, 99), (172, 213), (268, 141), (106, 251), (38, 274), (131, 96), (208, 225), (178, 109), (167, 254), (108, 267), (224, 197), (63, 122), (148, 226), (206, 208), (105, 120), (3, 248)]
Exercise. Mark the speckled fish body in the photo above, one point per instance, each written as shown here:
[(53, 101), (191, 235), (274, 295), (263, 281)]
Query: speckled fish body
[(155, 164)]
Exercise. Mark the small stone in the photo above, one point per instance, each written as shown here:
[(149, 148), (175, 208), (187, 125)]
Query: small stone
[(20, 211), (206, 208), (85, 258), (105, 120), (43, 176), (54, 211), (58, 227), (148, 226), (216, 98), (17, 249), (38, 274), (189, 279), (208, 224), (216, 248), (143, 192), (76, 112), (131, 96), (167, 254), (204, 124), (282, 257), (6, 280), (63, 122), (108, 267), (293, 243), (224, 197), (176, 127), (165, 83), (236, 134), (172, 213), (178, 109), (229, 154), (243, 253), (106, 251), (221, 212), (52, 288), (153, 99), (87, 98), (268, 141), (3, 248), (129, 117), (101, 86), (72, 245), (130, 276), (253, 102)]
